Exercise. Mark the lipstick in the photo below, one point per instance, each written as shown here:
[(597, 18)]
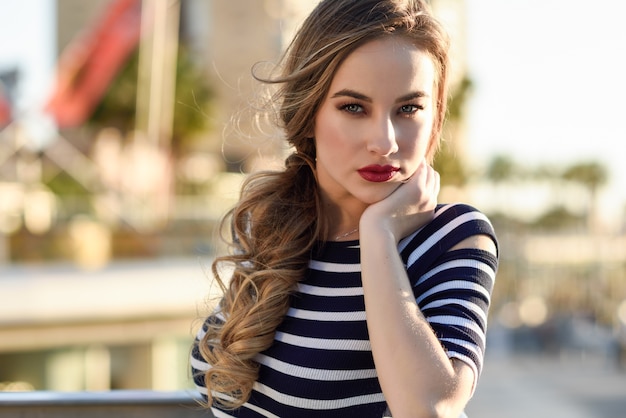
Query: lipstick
[(378, 173)]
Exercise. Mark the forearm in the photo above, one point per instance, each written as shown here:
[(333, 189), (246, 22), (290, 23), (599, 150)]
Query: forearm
[(416, 375)]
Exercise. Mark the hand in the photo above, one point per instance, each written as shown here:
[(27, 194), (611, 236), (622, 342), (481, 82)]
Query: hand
[(408, 208)]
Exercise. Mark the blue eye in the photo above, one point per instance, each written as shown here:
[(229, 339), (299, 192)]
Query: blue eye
[(352, 108), (409, 108)]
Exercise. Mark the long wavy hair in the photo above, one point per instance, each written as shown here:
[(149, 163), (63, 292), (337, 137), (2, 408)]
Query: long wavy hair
[(278, 218)]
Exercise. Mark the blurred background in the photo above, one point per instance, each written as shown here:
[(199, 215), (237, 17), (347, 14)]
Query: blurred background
[(119, 155)]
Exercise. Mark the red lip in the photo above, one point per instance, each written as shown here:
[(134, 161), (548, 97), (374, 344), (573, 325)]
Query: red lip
[(378, 173)]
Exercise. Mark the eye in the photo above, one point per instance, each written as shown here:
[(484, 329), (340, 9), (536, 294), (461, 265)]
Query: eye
[(352, 108), (409, 109)]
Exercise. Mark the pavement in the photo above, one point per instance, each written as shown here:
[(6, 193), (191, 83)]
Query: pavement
[(569, 385)]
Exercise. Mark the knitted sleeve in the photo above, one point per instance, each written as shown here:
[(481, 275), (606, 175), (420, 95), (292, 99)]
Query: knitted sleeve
[(453, 288)]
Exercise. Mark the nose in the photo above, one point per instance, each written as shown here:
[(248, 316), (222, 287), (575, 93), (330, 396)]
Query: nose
[(382, 138)]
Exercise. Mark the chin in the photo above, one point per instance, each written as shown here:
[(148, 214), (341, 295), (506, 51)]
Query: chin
[(372, 198)]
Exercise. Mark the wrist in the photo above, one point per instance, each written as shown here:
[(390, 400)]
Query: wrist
[(376, 230)]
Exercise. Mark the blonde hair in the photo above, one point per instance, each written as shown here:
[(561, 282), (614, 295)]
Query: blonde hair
[(278, 218)]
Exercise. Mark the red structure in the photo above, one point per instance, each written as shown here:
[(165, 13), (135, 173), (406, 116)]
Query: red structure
[(5, 109), (88, 64)]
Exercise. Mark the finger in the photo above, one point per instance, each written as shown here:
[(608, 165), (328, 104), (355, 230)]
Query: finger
[(431, 185), (426, 177), (415, 173), (421, 174), (437, 186), (433, 179)]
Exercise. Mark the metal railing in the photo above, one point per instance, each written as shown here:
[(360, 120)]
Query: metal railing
[(112, 404)]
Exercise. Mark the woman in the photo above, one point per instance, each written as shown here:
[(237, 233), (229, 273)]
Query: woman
[(352, 292)]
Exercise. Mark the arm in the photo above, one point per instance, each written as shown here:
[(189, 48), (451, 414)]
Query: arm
[(416, 375)]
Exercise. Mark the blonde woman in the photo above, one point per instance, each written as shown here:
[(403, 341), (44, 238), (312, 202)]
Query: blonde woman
[(354, 293)]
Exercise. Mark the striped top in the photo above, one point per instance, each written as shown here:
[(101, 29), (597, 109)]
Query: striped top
[(321, 363)]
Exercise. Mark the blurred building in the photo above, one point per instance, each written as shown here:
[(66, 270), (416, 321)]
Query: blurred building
[(229, 38)]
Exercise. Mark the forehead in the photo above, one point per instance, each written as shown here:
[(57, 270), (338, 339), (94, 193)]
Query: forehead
[(392, 63)]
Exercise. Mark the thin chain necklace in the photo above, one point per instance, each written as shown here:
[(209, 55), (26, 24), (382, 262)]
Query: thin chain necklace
[(347, 234)]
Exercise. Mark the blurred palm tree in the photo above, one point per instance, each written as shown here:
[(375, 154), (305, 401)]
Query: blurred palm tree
[(591, 176), (502, 169), (558, 218)]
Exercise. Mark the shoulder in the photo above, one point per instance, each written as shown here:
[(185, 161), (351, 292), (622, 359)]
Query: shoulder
[(463, 211), (462, 220), (459, 219), (455, 225)]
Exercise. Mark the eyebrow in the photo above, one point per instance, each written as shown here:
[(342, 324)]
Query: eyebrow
[(359, 96)]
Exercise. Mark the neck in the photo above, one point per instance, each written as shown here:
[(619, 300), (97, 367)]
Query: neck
[(342, 219)]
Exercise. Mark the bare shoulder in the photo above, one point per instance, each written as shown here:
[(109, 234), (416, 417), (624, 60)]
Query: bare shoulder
[(479, 241)]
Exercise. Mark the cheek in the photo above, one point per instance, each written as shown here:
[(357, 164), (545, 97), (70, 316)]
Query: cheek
[(417, 142), (425, 144), (330, 135), (414, 153), (323, 142)]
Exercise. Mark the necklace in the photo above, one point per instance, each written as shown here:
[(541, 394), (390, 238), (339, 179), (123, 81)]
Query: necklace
[(347, 234)]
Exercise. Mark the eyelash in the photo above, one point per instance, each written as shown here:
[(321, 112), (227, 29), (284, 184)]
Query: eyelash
[(346, 107), (413, 108)]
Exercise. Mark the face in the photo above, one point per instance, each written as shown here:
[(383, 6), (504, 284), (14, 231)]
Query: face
[(374, 127)]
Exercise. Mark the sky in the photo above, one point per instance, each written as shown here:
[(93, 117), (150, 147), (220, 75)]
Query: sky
[(550, 84), (27, 41), (548, 76)]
